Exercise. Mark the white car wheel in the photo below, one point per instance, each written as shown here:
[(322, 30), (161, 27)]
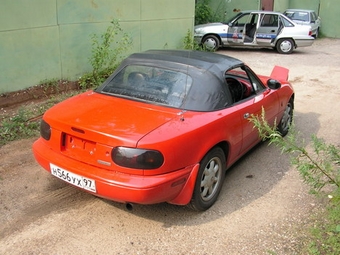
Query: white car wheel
[(285, 46)]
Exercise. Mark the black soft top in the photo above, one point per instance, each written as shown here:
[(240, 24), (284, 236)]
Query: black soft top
[(206, 69), (212, 62)]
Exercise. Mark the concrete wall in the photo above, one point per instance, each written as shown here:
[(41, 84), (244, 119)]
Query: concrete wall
[(50, 39)]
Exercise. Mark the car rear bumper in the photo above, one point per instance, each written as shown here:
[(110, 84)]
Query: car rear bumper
[(304, 42), (121, 187)]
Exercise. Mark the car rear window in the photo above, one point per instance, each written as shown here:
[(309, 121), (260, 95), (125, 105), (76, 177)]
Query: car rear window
[(298, 15), (151, 84)]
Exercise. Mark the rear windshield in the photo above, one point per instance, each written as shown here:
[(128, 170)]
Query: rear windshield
[(297, 15), (151, 84)]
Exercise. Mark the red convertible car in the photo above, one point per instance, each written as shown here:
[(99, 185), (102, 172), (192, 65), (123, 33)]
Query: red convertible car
[(164, 127)]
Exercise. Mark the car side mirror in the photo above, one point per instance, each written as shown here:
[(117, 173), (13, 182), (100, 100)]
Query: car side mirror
[(313, 21), (273, 84)]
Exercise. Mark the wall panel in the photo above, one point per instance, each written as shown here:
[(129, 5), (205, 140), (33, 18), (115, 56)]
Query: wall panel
[(50, 39)]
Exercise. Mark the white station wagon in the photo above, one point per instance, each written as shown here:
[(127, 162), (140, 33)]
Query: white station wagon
[(263, 29)]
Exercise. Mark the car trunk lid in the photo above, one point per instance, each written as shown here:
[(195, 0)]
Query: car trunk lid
[(88, 126)]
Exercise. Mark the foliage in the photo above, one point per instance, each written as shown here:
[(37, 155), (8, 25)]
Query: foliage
[(320, 169), (49, 85), (189, 43), (17, 127), (203, 12), (107, 51)]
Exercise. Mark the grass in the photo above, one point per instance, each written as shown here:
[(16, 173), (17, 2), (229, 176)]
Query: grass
[(24, 122)]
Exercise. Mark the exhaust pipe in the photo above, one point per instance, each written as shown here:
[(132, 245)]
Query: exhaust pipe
[(129, 206)]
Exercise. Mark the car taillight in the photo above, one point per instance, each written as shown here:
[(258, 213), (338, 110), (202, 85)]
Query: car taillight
[(137, 158), (45, 130), (310, 33)]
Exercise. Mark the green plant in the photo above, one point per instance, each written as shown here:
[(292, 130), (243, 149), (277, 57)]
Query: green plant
[(203, 13), (319, 167), (106, 52), (50, 85), (17, 127), (24, 123), (189, 43)]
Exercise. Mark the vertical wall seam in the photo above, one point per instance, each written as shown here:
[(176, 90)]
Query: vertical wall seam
[(59, 41)]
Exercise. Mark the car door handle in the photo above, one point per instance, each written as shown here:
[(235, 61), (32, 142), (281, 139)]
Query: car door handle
[(246, 115), (273, 31)]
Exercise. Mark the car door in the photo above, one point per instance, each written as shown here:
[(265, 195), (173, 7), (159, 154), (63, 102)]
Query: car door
[(261, 98), (266, 100), (268, 29), (236, 29)]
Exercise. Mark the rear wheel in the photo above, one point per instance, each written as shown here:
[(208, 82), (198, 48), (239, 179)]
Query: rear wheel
[(209, 180), (287, 119), (210, 42), (285, 46)]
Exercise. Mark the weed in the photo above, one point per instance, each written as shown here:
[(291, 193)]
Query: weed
[(320, 169), (189, 43), (106, 53), (25, 122), (50, 86), (17, 127)]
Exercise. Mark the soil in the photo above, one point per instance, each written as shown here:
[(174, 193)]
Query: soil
[(263, 208), (38, 92)]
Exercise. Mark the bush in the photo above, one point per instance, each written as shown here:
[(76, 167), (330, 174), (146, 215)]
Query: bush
[(203, 13)]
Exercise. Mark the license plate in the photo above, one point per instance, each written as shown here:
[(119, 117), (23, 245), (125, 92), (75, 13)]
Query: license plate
[(74, 179)]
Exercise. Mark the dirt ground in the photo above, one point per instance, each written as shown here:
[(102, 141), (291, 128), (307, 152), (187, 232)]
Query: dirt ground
[(265, 214)]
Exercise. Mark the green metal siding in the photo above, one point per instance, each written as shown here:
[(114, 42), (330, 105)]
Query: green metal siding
[(49, 39), (329, 14)]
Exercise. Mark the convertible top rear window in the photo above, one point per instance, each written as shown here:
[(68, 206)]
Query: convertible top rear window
[(152, 84)]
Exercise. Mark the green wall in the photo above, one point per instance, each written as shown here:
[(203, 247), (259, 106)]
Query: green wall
[(304, 4), (49, 39), (281, 5), (330, 18)]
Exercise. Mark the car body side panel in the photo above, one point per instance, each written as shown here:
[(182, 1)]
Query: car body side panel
[(186, 141), (267, 101)]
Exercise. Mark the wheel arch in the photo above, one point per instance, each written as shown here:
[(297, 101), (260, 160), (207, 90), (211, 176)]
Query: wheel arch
[(224, 145), (283, 38), (214, 34)]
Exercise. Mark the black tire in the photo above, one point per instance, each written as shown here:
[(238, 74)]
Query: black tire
[(287, 118), (209, 180), (210, 42), (285, 46)]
